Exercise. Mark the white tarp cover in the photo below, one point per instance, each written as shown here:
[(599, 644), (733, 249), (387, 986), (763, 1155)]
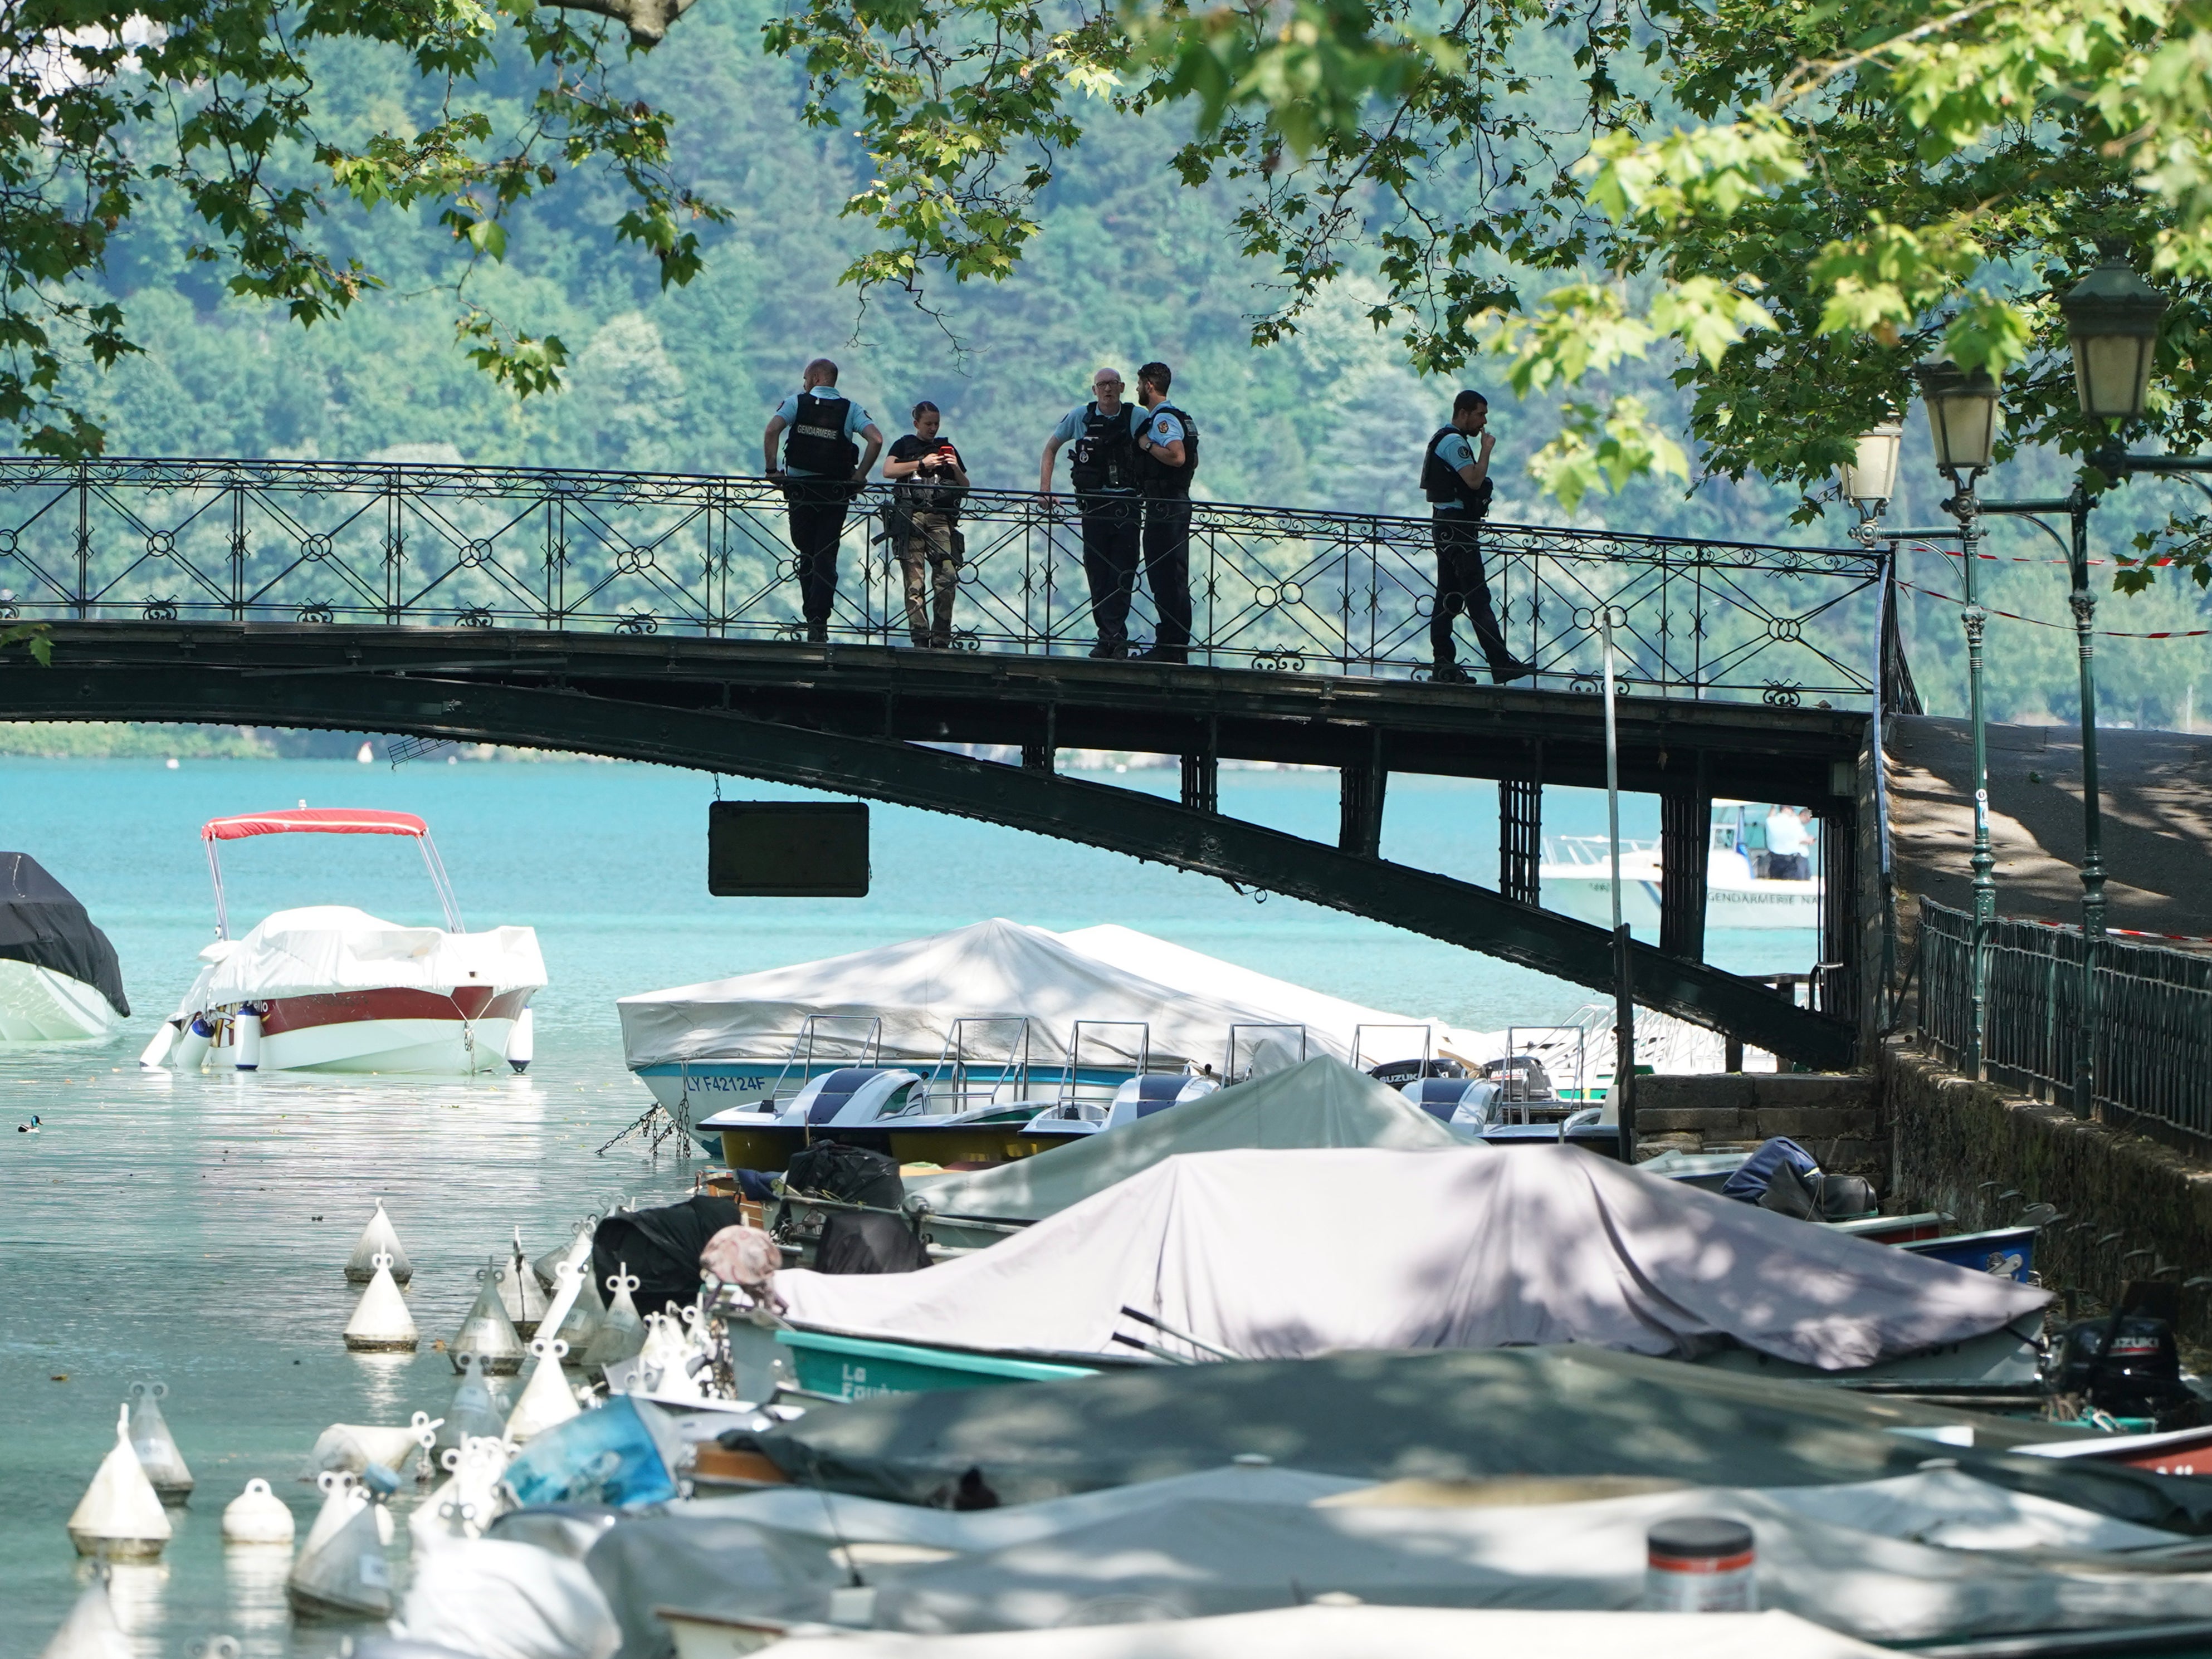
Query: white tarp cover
[(1364, 1633), (1324, 1103), (334, 947), (920, 986), (1385, 1036), (1284, 1255), (1196, 1558)]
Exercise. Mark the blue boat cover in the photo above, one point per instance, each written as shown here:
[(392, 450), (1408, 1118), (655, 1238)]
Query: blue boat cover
[(1749, 1184)]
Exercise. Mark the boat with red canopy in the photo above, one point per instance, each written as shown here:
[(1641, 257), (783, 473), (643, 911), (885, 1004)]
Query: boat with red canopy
[(332, 988)]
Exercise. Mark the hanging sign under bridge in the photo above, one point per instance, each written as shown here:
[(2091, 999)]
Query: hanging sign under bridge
[(788, 849)]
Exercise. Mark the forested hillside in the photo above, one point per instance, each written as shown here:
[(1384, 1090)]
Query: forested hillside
[(1132, 265)]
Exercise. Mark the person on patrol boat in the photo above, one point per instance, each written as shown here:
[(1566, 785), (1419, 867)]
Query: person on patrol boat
[(1455, 477), (822, 467), (1102, 466), (1167, 461)]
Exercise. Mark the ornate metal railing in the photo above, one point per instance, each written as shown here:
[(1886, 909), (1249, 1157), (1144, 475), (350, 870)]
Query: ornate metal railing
[(2153, 1056), (328, 542)]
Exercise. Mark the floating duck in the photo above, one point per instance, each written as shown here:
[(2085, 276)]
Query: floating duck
[(379, 1237), (488, 1333), (381, 1321), (120, 1514), (32, 1128), (256, 1515), (157, 1449)]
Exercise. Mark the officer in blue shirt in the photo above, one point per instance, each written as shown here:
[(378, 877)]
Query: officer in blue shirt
[(1455, 477), (1103, 465), (822, 468), (1167, 461)]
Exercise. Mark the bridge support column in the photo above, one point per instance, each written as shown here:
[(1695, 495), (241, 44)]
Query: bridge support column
[(1359, 824), (1521, 834), (1842, 941), (1036, 757), (1686, 840), (1201, 782)]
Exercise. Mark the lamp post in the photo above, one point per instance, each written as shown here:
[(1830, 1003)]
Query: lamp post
[(1868, 480), (2111, 323), (1962, 417)]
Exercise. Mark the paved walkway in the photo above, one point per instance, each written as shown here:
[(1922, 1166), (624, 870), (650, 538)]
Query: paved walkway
[(2157, 793)]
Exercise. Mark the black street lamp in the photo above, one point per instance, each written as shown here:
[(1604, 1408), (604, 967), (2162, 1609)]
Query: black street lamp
[(1962, 417)]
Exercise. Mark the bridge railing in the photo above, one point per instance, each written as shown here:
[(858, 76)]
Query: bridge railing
[(416, 545), (2153, 1059)]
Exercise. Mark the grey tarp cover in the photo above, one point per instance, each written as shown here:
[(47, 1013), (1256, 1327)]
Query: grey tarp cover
[(1194, 1558), (1345, 1632), (1322, 1102), (42, 923), (1932, 1554), (771, 1550), (1446, 1415), (1278, 1255)]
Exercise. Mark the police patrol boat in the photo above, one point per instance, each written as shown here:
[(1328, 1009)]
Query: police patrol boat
[(328, 988), (1576, 877)]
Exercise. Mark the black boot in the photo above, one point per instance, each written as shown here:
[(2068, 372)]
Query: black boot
[(1509, 669), (1448, 673)]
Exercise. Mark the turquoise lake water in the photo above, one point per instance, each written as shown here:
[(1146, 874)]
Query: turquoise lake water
[(193, 1229)]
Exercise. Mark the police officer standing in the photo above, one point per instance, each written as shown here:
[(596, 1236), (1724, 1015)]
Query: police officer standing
[(928, 483), (1102, 466), (822, 467), (1455, 477), (1167, 461)]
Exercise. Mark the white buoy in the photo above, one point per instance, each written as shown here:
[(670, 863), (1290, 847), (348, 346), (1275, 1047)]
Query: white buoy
[(157, 1449), (156, 1053), (381, 1321), (576, 1253), (662, 1362), (256, 1515), (120, 1514), (586, 1314), (468, 1500), (547, 1399), (522, 1041), (474, 1415), (246, 1027), (345, 1575), (192, 1047), (91, 1631), (353, 1448), (524, 1297), (488, 1333), (378, 1238), (621, 1333)]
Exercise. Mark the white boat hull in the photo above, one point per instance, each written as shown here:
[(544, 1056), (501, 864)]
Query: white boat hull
[(410, 1032), (1585, 892), (38, 1005)]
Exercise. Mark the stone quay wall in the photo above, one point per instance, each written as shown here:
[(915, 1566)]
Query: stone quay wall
[(1835, 1117)]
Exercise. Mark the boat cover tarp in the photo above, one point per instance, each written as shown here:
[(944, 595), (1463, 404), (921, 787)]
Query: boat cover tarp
[(1380, 1035), (1450, 1415), (323, 948), (1322, 1102), (1194, 1558), (1274, 1255), (661, 1246), (1363, 1632), (921, 986), (1932, 1554), (42, 923)]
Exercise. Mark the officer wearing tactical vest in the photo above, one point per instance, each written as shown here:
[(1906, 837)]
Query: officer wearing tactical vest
[(1102, 466), (1167, 461), (822, 467), (1455, 477)]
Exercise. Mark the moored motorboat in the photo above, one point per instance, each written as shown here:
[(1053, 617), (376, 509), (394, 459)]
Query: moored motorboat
[(332, 988), (59, 979), (1745, 882)]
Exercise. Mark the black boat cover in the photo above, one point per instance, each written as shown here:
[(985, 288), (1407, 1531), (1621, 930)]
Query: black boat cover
[(42, 923), (661, 1247)]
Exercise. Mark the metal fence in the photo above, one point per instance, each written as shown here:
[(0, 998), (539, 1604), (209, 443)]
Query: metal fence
[(2148, 1032), (331, 542)]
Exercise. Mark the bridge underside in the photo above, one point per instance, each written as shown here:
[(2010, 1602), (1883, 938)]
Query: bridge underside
[(855, 721)]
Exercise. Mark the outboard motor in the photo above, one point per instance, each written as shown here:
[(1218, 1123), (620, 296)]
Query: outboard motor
[(1399, 1073), (2127, 1364)]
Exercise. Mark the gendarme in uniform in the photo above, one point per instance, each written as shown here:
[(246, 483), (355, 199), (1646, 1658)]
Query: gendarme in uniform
[(1457, 506)]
